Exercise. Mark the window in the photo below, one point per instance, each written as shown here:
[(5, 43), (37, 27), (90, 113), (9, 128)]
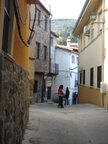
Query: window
[(91, 77), (38, 16), (46, 23), (99, 76), (84, 77), (6, 26), (51, 41), (45, 52), (73, 59), (80, 77), (38, 50)]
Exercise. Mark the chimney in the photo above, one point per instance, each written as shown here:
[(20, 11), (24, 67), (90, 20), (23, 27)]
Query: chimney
[(68, 42)]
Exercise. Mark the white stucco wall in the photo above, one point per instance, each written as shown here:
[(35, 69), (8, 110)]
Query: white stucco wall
[(62, 58), (73, 73), (67, 73)]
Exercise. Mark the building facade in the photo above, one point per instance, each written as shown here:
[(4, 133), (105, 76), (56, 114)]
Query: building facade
[(91, 28), (41, 50), (53, 66), (67, 59)]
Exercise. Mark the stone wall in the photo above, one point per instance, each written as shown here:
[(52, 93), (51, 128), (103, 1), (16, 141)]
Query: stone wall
[(42, 36), (31, 82), (14, 93)]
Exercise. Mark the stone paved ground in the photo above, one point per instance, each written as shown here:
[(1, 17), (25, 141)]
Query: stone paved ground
[(78, 124)]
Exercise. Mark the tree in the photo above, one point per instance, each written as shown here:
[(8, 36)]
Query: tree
[(66, 33)]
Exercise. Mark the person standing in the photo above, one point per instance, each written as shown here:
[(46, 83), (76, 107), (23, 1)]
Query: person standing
[(60, 94), (75, 95), (67, 96)]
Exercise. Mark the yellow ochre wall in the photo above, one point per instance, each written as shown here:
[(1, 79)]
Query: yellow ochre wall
[(20, 51), (92, 96), (2, 3), (89, 95)]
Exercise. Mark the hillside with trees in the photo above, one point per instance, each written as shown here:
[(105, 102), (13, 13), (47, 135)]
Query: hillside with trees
[(63, 28)]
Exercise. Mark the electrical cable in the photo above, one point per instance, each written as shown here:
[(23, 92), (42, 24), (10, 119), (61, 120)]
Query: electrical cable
[(19, 19), (18, 23), (19, 15), (32, 29)]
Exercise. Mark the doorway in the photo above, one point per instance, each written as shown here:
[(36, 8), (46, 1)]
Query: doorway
[(49, 93)]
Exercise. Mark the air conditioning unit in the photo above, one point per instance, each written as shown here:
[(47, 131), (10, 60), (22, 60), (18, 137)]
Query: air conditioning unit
[(86, 31)]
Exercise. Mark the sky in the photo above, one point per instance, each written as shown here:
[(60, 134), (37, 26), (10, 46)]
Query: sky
[(65, 8)]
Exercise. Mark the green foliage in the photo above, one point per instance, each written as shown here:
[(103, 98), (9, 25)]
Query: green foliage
[(64, 28), (66, 33)]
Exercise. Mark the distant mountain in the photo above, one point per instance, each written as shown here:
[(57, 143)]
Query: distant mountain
[(59, 24), (63, 28)]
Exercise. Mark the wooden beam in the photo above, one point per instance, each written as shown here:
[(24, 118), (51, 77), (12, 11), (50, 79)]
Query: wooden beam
[(31, 1)]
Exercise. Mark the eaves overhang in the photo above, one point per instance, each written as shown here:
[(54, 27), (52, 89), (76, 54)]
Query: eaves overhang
[(31, 1), (89, 7), (39, 3)]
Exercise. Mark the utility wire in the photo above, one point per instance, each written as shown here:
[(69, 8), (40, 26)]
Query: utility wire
[(19, 15), (32, 29), (18, 20), (18, 23)]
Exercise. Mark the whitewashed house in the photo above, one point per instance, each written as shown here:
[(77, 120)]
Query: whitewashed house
[(67, 59)]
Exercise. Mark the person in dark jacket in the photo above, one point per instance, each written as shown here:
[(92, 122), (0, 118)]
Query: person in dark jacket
[(75, 95), (60, 94), (67, 96)]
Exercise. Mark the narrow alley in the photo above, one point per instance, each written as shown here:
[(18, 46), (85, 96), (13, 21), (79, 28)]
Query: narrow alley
[(53, 52), (78, 124)]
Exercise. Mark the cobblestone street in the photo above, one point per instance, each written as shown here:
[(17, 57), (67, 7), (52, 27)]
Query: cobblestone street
[(78, 124)]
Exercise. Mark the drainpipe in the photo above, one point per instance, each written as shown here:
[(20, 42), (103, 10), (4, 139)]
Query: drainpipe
[(103, 54), (50, 47), (104, 29)]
